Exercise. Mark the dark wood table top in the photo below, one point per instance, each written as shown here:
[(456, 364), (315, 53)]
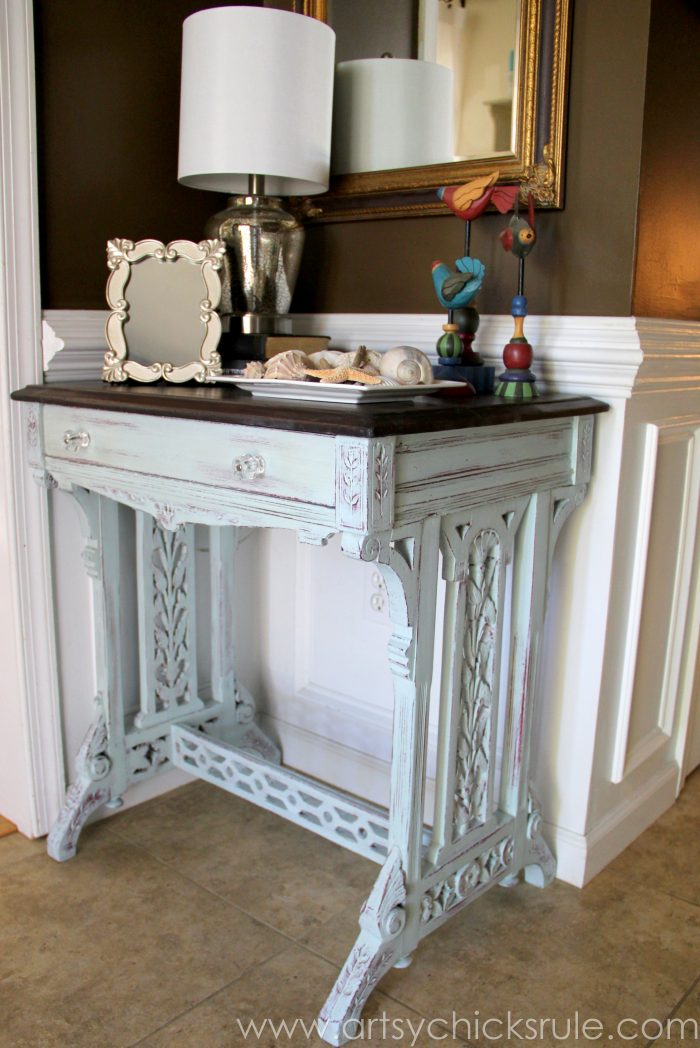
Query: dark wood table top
[(224, 403)]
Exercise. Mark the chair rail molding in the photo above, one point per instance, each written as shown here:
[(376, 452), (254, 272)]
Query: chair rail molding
[(600, 354), (31, 766)]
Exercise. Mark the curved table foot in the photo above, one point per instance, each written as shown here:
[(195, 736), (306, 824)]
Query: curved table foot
[(378, 947), (539, 864), (88, 793)]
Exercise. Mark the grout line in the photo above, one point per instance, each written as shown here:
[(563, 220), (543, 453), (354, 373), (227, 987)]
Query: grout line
[(196, 1004), (209, 891), (673, 1011), (290, 939), (678, 898)]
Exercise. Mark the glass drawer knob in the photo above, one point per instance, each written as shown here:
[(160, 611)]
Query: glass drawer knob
[(73, 441), (249, 466)]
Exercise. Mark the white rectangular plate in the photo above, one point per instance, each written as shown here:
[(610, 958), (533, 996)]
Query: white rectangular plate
[(330, 392)]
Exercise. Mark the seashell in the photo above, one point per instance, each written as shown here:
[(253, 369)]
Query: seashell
[(407, 366), (337, 375), (328, 358), (289, 365), (254, 369)]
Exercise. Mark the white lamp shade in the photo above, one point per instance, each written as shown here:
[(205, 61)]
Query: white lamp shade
[(256, 98), (391, 112)]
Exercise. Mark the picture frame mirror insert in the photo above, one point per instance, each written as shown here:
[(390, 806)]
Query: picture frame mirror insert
[(163, 321)]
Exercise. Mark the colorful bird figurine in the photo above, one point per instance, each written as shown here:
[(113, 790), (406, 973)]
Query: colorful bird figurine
[(517, 382), (456, 289), (519, 237), (470, 200)]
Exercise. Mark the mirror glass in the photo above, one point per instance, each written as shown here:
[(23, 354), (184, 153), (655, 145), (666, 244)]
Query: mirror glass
[(445, 94), (478, 41), (164, 316), (163, 299), (506, 111)]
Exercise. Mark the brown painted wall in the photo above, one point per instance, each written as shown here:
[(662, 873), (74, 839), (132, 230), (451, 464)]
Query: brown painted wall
[(667, 278), (108, 90), (108, 99)]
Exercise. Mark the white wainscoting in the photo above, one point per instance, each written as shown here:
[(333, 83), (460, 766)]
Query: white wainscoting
[(610, 748)]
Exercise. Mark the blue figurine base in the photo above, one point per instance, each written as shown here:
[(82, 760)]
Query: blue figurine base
[(481, 376)]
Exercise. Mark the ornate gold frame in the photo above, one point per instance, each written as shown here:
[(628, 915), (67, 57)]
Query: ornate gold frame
[(538, 160), (121, 256)]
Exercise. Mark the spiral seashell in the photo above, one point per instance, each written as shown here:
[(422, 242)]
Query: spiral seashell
[(407, 366)]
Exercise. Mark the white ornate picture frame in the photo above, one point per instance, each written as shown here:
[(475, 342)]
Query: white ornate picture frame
[(163, 322)]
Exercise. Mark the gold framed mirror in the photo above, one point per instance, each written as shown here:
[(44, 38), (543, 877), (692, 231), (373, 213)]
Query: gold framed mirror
[(538, 139)]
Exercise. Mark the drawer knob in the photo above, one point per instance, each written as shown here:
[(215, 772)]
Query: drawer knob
[(249, 466), (73, 441)]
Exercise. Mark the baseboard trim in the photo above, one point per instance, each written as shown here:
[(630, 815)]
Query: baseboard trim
[(336, 764), (581, 856)]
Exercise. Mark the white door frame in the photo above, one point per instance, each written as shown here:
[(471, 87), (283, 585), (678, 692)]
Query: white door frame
[(31, 760)]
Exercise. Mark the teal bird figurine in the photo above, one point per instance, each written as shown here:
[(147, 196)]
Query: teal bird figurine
[(456, 289)]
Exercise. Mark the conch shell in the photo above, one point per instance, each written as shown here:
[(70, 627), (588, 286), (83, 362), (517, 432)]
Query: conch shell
[(289, 365), (406, 366)]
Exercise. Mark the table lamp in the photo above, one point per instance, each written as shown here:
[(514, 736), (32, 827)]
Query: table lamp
[(255, 121)]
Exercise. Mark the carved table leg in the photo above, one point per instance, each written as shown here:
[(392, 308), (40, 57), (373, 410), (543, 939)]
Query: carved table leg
[(100, 765), (90, 791), (376, 949), (389, 924)]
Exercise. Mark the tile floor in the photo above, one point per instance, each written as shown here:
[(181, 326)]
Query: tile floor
[(195, 911)]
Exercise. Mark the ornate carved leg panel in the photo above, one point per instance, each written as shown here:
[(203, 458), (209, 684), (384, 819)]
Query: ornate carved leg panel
[(477, 546), (100, 765), (389, 924), (532, 554), (167, 622)]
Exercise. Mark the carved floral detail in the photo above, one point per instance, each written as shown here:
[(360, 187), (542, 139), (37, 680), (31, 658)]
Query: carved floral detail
[(383, 913), (382, 470), (171, 618), (540, 179), (477, 681), (146, 758), (351, 476), (456, 889), (32, 429)]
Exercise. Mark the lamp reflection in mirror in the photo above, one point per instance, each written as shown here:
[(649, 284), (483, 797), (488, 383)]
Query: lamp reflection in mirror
[(391, 113), (255, 121)]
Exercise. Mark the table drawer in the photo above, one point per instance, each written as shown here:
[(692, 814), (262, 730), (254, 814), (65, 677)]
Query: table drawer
[(260, 460)]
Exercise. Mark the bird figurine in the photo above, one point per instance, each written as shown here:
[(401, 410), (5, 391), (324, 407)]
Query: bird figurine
[(456, 289), (470, 200), (517, 382), (519, 236)]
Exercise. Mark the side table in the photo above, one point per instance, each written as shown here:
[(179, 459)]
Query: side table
[(478, 490)]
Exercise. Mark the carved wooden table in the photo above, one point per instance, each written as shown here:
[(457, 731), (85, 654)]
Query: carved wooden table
[(484, 483)]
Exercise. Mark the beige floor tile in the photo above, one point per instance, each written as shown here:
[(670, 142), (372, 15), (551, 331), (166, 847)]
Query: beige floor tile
[(109, 946), (609, 952), (273, 870), (15, 847), (683, 1027), (668, 854), (293, 985)]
